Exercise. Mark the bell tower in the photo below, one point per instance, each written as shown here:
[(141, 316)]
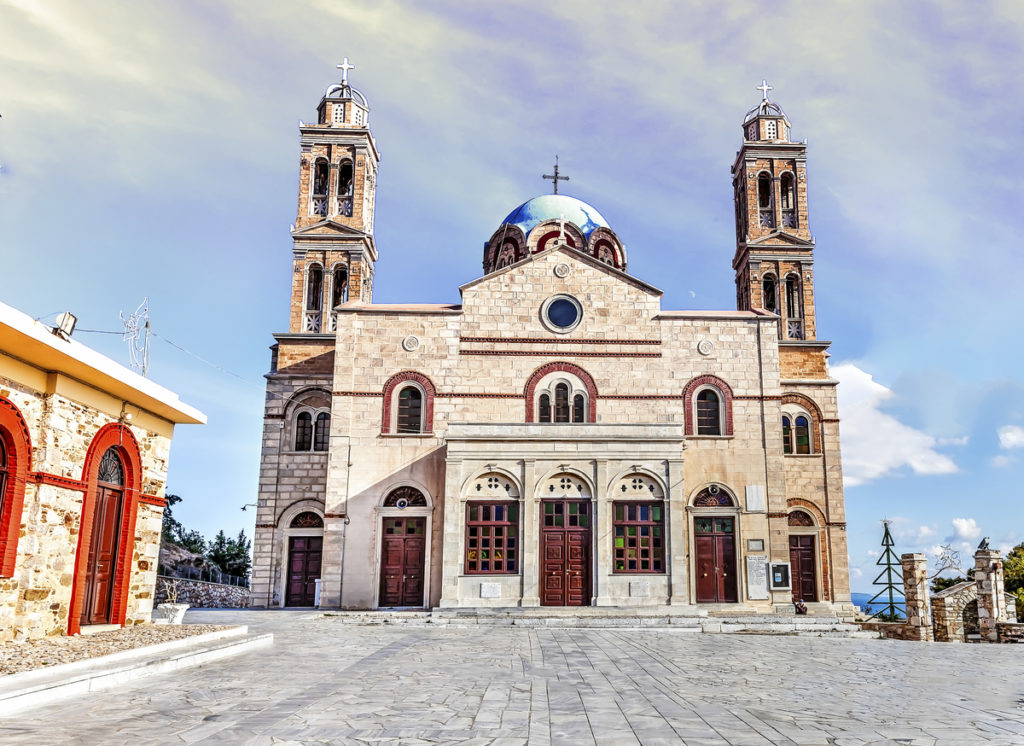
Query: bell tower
[(332, 239), (774, 247)]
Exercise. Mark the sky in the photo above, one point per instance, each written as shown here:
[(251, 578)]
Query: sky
[(151, 150)]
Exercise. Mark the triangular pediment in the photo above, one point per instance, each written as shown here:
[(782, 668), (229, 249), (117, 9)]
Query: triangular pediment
[(781, 238), (328, 228), (570, 253)]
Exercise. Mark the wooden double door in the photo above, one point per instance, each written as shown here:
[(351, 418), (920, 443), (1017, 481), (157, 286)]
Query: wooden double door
[(715, 546), (102, 560), (403, 552), (803, 568), (305, 559), (565, 553)]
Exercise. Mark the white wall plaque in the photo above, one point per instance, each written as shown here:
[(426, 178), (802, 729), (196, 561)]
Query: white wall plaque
[(490, 590), (410, 343), (757, 577), (640, 588), (755, 498)]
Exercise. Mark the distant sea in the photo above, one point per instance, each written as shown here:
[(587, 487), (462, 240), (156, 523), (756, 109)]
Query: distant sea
[(861, 600)]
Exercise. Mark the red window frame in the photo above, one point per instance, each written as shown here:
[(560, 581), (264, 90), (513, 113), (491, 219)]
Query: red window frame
[(638, 537), (492, 538)]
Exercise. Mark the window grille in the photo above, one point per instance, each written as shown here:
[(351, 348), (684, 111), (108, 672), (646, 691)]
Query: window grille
[(492, 537), (111, 470), (708, 409), (639, 537)]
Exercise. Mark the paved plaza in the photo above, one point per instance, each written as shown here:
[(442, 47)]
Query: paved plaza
[(327, 682)]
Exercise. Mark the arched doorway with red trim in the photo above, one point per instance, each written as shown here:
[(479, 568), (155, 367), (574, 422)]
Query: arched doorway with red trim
[(103, 559), (15, 464)]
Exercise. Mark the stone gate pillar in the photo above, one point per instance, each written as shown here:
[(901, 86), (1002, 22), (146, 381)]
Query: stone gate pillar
[(915, 589), (988, 578)]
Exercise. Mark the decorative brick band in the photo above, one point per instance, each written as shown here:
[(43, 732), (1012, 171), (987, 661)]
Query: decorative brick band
[(778, 515), (389, 395), (158, 502), (756, 397), (357, 393), (537, 375), (643, 397), (559, 341), (264, 525), (543, 353), (335, 515), (42, 477), (719, 385)]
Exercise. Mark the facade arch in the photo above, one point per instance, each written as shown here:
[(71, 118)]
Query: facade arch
[(545, 234), (798, 511), (121, 439), (713, 495), (703, 383), (794, 404), (605, 246), (301, 551), (307, 420), (506, 246), (566, 481), (532, 396), (404, 527), (403, 485), (392, 389), (624, 479), (492, 482), (17, 462)]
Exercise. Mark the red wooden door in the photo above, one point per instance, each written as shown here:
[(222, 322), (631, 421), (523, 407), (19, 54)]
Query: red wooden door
[(102, 560), (305, 555), (402, 559), (801, 560), (565, 553), (715, 546)]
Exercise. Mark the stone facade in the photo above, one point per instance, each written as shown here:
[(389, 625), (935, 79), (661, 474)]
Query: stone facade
[(55, 429), (479, 372)]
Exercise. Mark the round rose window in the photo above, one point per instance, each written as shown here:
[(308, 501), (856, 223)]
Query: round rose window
[(562, 313)]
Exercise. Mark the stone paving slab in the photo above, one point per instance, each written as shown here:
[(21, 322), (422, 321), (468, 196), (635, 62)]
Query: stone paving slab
[(336, 683)]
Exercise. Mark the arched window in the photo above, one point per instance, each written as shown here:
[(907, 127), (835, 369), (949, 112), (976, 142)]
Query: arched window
[(713, 496), (764, 190), (111, 471), (787, 193), (769, 294), (764, 200), (307, 519), (544, 407), (339, 287), (794, 306), (562, 403), (787, 434), (405, 497), (799, 518), (578, 409), (410, 410), (321, 180), (321, 432), (3, 476), (314, 298), (803, 435), (304, 431), (709, 418), (345, 182)]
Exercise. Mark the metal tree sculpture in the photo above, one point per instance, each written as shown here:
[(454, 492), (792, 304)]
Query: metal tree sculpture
[(891, 580)]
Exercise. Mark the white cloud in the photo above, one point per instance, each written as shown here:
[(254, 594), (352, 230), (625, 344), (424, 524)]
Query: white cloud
[(1011, 436), (925, 532), (961, 441), (966, 528), (856, 572), (1001, 461), (875, 443), (872, 553)]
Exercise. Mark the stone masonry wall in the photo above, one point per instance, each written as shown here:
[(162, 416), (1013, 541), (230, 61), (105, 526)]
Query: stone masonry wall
[(202, 595), (35, 602)]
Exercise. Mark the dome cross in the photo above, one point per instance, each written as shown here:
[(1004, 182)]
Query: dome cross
[(764, 88), (345, 67), (556, 178)]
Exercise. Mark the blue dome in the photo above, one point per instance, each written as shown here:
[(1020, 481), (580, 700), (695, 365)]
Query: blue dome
[(533, 212)]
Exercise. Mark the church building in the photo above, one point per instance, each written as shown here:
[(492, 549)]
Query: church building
[(557, 438)]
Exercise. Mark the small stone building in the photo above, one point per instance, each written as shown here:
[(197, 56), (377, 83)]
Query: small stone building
[(558, 437), (84, 445)]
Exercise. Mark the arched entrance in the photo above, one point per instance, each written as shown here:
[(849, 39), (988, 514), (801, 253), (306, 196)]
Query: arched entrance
[(714, 539), (102, 559), (565, 541), (305, 558), (403, 548), (803, 556)]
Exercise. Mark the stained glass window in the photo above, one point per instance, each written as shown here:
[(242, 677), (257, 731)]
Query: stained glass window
[(405, 497), (787, 434), (308, 519), (492, 537), (639, 537), (803, 435)]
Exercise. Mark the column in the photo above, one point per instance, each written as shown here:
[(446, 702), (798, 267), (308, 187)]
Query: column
[(531, 535), (988, 578), (918, 599), (678, 518), (452, 548)]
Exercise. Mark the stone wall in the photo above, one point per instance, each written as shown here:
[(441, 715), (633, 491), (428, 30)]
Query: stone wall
[(898, 631), (1010, 632), (203, 595)]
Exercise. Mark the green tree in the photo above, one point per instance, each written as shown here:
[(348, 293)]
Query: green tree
[(1013, 574), (171, 527), (191, 540), (231, 555), (941, 584)]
